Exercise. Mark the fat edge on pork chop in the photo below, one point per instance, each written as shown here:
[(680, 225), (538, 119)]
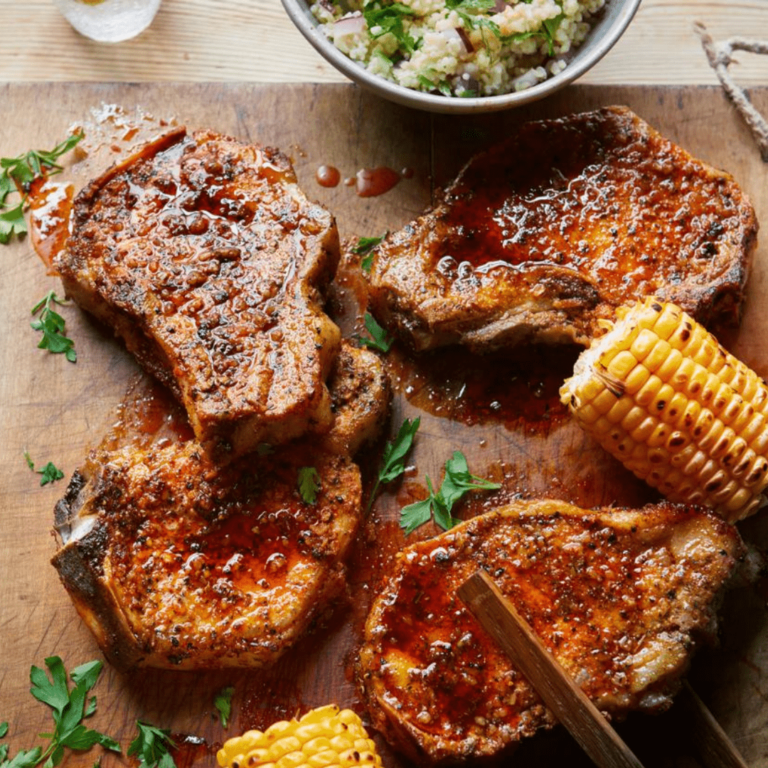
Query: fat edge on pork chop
[(543, 235), (619, 597), (206, 258), (174, 561)]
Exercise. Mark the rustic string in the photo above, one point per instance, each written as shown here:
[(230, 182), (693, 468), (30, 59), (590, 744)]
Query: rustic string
[(719, 56)]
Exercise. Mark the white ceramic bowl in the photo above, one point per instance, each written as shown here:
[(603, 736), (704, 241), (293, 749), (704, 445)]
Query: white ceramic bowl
[(606, 31)]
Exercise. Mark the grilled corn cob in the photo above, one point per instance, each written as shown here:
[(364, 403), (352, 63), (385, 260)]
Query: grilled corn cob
[(660, 394), (324, 737)]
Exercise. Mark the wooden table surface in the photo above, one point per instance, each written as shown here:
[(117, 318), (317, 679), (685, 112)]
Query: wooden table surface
[(511, 425), (254, 41)]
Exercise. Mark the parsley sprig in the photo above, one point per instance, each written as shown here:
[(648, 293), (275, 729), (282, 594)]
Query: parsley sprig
[(151, 746), (50, 472), (16, 175), (309, 484), (364, 248), (379, 339), (472, 13), (223, 703), (382, 19), (69, 708), (52, 325), (456, 482), (394, 455)]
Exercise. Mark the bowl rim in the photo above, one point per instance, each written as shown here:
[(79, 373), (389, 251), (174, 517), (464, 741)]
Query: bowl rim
[(300, 14)]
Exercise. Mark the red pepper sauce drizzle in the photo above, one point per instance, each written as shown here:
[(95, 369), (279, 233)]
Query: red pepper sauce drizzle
[(372, 182), (368, 182), (328, 176), (187, 749)]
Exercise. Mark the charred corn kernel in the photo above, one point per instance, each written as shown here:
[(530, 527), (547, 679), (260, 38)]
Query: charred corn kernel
[(323, 738), (660, 394)]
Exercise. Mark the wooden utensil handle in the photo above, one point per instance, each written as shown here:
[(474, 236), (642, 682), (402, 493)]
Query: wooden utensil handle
[(568, 702)]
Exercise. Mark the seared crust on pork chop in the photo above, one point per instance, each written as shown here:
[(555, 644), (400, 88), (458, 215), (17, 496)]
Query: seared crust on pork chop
[(546, 233), (618, 596), (176, 561), (206, 258), (360, 396)]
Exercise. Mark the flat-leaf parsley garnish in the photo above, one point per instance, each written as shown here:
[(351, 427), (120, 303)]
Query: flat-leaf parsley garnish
[(69, 708), (382, 19), (309, 484), (16, 175), (50, 472), (364, 247), (52, 325), (394, 455), (379, 339), (151, 746), (439, 504), (223, 703)]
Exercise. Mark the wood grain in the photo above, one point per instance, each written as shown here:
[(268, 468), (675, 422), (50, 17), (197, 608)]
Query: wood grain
[(254, 41), (55, 410), (713, 745), (569, 703)]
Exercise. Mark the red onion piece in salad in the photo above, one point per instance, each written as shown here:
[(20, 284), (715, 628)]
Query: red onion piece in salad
[(349, 25), (454, 33)]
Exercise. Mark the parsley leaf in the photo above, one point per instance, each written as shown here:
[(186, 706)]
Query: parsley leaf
[(393, 456), (309, 484), (418, 513), (25, 758), (366, 262), (151, 745), (389, 19), (25, 168), (457, 481), (52, 325), (5, 188), (366, 244), (17, 173), (50, 473), (547, 32), (550, 27), (12, 223), (470, 6), (69, 707), (223, 702), (364, 247), (380, 340)]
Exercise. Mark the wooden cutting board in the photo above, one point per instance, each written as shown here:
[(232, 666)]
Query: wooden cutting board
[(510, 427)]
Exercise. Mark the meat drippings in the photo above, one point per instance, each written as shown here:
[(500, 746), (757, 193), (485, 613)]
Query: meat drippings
[(50, 206), (518, 389)]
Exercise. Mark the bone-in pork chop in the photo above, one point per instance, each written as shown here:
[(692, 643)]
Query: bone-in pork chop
[(204, 255), (175, 561), (618, 596), (545, 234)]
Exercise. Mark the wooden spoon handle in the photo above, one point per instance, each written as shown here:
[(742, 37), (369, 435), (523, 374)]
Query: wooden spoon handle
[(558, 691), (712, 744)]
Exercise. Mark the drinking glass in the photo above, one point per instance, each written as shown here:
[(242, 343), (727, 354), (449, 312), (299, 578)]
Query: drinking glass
[(109, 21)]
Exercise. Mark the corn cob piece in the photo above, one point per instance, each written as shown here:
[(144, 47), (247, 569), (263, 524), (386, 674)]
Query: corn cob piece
[(660, 394), (324, 738)]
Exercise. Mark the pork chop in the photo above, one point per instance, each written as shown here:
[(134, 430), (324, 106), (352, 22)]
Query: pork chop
[(206, 258), (545, 234), (175, 561), (618, 596)]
